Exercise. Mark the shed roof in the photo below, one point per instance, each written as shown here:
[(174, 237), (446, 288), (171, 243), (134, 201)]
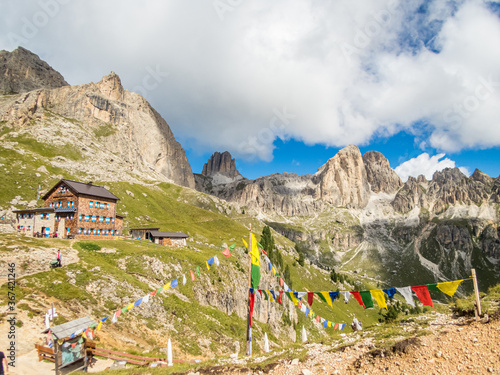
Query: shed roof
[(150, 229), (65, 330), (157, 233), (84, 188)]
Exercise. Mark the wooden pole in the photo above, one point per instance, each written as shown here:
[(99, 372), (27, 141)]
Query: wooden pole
[(249, 328), (477, 310)]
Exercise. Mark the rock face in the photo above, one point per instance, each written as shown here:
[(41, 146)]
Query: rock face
[(220, 164), (379, 173), (124, 123), (343, 181), (23, 71)]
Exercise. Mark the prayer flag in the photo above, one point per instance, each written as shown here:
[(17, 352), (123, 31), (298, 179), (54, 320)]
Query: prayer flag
[(279, 297), (300, 294), (292, 298), (333, 296), (192, 275), (449, 287), (166, 286), (226, 252), (159, 290), (390, 292), (321, 297), (346, 295), (129, 307), (325, 323), (153, 292), (274, 270), (342, 327), (255, 260), (115, 316), (245, 243), (406, 293), (198, 271), (281, 282), (329, 324), (270, 266), (266, 296), (138, 302), (423, 295), (99, 325), (145, 299), (433, 287), (358, 298), (260, 291), (209, 263), (307, 311), (367, 298), (326, 298), (104, 319), (174, 283), (317, 318), (184, 281), (310, 298), (216, 261), (232, 246), (336, 326), (299, 305), (125, 309), (252, 302), (379, 296), (272, 293)]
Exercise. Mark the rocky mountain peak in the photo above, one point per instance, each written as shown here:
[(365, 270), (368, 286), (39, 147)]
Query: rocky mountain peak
[(22, 71), (381, 176), (220, 163), (111, 86)]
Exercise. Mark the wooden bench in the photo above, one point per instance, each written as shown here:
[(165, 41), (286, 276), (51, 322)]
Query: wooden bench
[(45, 353), (121, 356)]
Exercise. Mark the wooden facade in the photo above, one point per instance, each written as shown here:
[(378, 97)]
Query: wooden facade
[(76, 210)]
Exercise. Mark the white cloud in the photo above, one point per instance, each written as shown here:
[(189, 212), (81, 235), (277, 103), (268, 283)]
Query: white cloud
[(345, 70), (426, 165)]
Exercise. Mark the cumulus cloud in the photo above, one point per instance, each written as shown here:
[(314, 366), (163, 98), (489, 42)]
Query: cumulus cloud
[(426, 165), (237, 77)]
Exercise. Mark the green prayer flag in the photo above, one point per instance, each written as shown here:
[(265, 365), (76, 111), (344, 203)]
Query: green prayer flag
[(366, 296), (433, 287), (198, 270), (321, 296)]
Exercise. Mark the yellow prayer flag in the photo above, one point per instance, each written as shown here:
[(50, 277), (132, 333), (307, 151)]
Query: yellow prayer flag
[(310, 313), (270, 295), (129, 307), (245, 243), (166, 286), (378, 295), (99, 325), (449, 287), (329, 324), (274, 271), (293, 298), (327, 298)]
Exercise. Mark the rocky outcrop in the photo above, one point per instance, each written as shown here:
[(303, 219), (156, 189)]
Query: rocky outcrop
[(380, 175), (23, 71), (342, 181), (447, 188), (123, 122), (220, 164)]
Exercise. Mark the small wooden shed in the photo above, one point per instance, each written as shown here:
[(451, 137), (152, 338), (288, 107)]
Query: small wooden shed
[(140, 233), (70, 345), (167, 238)]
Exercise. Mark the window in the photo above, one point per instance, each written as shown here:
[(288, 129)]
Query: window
[(103, 205), (72, 204), (29, 227), (86, 217), (107, 232), (94, 218), (80, 217), (98, 232), (79, 230), (113, 219), (101, 219), (107, 219), (47, 216), (91, 204), (107, 206), (94, 231)]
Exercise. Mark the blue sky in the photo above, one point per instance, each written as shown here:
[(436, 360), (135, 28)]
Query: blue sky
[(284, 85)]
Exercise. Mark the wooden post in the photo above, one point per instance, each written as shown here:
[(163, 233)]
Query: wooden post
[(477, 310), (56, 353), (249, 328)]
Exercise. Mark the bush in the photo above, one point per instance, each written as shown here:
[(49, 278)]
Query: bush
[(89, 246)]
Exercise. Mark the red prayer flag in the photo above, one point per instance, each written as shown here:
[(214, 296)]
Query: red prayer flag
[(260, 291), (153, 293), (310, 298), (358, 298), (336, 326), (252, 302), (279, 298), (226, 252), (317, 318), (423, 295), (192, 275), (282, 282), (299, 304)]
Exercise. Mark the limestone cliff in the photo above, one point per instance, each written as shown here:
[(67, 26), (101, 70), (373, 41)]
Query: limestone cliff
[(23, 71), (380, 175), (123, 124)]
